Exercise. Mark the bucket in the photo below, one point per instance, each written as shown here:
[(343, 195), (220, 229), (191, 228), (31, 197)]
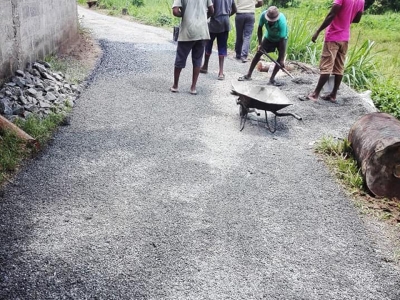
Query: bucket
[(328, 87)]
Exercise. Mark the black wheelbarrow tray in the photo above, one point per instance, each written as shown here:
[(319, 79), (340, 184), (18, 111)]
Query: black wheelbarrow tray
[(266, 98)]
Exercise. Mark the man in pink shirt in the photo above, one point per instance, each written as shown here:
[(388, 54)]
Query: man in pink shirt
[(337, 35)]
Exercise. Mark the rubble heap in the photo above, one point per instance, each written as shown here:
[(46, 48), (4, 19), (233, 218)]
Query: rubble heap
[(37, 90)]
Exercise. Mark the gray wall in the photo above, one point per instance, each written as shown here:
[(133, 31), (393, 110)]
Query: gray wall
[(32, 29)]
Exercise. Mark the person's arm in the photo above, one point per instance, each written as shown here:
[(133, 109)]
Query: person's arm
[(233, 9), (357, 18), (328, 20), (210, 11), (259, 34), (177, 11), (259, 3)]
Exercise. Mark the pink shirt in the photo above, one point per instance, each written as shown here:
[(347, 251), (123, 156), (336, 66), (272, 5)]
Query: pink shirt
[(339, 29)]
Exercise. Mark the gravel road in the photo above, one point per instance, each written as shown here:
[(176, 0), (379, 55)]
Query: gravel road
[(155, 195)]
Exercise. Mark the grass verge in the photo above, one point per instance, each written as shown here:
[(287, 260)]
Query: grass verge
[(338, 156), (13, 150)]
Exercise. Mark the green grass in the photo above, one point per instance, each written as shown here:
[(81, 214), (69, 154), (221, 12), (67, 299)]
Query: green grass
[(42, 129), (12, 151), (338, 155)]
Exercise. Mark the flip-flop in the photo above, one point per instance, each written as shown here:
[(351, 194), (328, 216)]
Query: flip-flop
[(193, 92), (221, 77), (244, 78), (328, 98), (306, 98), (203, 71), (276, 83), (174, 90)]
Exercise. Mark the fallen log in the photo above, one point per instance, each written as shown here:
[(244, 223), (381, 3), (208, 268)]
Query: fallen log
[(5, 124), (375, 140)]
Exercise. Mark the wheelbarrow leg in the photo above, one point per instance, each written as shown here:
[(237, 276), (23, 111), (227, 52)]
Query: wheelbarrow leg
[(243, 115), (271, 128)]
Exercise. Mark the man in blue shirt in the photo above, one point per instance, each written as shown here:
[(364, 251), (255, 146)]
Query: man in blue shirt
[(219, 27), (275, 38)]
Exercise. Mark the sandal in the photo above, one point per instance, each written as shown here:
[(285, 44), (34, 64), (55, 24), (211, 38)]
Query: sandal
[(307, 98), (328, 98), (275, 83), (203, 71), (244, 78), (221, 77)]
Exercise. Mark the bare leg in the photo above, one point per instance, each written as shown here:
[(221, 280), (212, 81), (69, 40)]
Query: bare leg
[(177, 73), (338, 81), (323, 78), (204, 68), (221, 65), (253, 64), (196, 72), (274, 72)]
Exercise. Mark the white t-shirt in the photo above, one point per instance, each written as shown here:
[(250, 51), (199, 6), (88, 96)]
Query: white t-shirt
[(246, 6), (194, 25)]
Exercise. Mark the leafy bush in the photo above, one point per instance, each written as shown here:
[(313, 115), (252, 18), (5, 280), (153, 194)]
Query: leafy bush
[(284, 3), (137, 3), (382, 6), (386, 96), (164, 20)]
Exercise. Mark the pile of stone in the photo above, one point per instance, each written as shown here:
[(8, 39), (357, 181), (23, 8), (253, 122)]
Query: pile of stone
[(37, 90)]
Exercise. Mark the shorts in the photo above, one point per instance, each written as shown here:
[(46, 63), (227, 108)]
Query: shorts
[(269, 46), (222, 43), (182, 52), (333, 58)]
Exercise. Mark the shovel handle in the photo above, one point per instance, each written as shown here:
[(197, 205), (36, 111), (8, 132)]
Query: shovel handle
[(274, 61)]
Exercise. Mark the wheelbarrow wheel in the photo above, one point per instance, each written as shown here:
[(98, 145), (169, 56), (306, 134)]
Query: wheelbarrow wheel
[(243, 116)]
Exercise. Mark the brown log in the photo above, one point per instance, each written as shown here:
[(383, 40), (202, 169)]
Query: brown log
[(375, 139), (5, 124)]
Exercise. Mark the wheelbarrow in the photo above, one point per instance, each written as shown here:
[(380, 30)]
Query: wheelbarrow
[(267, 98)]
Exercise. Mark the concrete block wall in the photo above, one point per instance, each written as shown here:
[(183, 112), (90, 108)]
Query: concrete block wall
[(32, 29), (8, 54)]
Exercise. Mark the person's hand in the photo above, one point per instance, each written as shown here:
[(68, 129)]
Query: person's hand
[(258, 47), (315, 36), (282, 63)]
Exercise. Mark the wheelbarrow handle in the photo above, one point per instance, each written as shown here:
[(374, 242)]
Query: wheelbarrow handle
[(274, 61)]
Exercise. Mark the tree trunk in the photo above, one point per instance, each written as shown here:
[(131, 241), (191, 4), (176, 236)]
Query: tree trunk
[(375, 139)]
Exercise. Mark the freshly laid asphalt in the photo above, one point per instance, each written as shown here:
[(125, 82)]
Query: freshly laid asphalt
[(150, 194)]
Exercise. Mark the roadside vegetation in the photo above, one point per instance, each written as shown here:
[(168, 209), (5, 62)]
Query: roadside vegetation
[(13, 150)]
